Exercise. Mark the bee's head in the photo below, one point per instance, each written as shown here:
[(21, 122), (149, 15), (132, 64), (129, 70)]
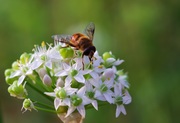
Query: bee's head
[(89, 51)]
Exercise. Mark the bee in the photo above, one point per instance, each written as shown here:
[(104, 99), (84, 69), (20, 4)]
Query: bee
[(82, 42)]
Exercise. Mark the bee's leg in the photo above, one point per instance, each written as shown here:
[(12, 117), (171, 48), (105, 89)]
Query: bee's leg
[(83, 61)]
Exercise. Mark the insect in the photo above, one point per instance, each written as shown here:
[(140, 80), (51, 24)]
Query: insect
[(82, 42)]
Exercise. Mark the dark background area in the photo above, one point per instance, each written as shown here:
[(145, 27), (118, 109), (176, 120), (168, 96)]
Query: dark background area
[(146, 34)]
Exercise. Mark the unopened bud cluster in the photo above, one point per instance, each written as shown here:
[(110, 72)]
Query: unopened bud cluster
[(72, 82)]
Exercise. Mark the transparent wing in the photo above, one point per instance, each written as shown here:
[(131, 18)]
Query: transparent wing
[(89, 30), (62, 38)]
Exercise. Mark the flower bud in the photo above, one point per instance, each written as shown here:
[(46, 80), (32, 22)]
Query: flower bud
[(8, 72), (10, 80), (24, 58), (15, 65), (60, 83), (17, 91), (107, 55), (28, 105), (42, 72), (47, 80), (120, 72), (66, 52)]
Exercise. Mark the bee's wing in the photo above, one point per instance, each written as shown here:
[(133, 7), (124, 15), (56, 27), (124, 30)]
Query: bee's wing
[(62, 38), (89, 30)]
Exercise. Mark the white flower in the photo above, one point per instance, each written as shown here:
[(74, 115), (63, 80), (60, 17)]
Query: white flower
[(78, 102), (103, 90), (90, 92), (23, 71), (44, 56), (62, 96), (120, 99), (73, 72)]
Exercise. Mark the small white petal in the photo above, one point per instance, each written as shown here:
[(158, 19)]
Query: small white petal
[(108, 97), (102, 98), (55, 55), (79, 78), (49, 64), (66, 67), (117, 91), (118, 111), (50, 94), (123, 81), (95, 83), (70, 110), (81, 91), (118, 62), (123, 110), (70, 91), (68, 81), (84, 72), (16, 73), (96, 63), (29, 72), (67, 101), (95, 105), (109, 84), (86, 60), (57, 103), (35, 64), (21, 79), (94, 75), (110, 60), (127, 98), (97, 93), (108, 73), (81, 110), (61, 73)]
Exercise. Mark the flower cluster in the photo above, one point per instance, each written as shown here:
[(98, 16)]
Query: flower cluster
[(71, 82)]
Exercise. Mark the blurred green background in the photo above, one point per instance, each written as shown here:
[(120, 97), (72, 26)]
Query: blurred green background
[(146, 34)]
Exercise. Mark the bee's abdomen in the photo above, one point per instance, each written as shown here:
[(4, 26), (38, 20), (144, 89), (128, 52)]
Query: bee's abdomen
[(84, 43)]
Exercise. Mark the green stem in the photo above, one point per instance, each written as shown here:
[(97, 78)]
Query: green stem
[(43, 109), (42, 104), (40, 92)]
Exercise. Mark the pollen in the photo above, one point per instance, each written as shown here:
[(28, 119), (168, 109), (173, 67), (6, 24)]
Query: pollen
[(100, 66), (43, 44)]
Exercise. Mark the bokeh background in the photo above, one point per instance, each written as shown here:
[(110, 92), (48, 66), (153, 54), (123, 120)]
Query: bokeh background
[(146, 34)]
